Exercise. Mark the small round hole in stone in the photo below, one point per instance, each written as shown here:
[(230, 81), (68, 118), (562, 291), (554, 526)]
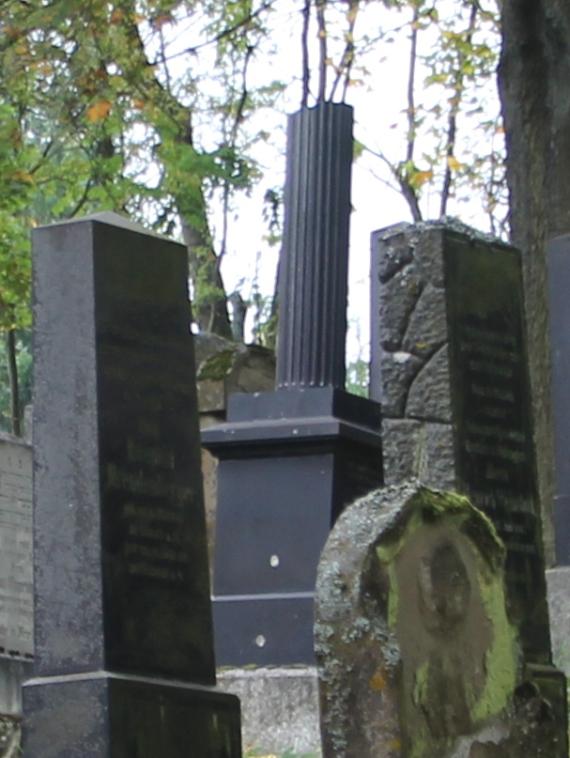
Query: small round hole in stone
[(274, 561), (260, 640)]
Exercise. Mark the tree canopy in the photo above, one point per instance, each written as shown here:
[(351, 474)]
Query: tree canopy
[(151, 108)]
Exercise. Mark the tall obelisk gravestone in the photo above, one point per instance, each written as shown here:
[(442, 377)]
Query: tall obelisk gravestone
[(449, 362), (124, 657), (290, 460)]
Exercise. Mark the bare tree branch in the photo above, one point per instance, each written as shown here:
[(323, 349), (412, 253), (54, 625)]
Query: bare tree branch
[(411, 111), (323, 62), (305, 53), (455, 104)]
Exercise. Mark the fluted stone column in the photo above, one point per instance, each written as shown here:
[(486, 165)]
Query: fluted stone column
[(292, 459), (314, 258)]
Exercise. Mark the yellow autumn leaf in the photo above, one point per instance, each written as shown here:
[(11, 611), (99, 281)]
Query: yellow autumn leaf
[(419, 178), (159, 21), (352, 14), (139, 103), (23, 176), (117, 16), (99, 111), (377, 681), (453, 163), (12, 32)]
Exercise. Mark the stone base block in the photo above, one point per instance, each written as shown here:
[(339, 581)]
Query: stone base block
[(280, 708), (558, 582), (263, 630), (106, 715)]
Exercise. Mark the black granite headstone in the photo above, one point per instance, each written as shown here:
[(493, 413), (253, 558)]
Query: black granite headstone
[(449, 360), (124, 655)]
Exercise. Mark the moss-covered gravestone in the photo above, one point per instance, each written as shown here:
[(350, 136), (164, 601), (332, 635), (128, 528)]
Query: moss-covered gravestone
[(417, 656)]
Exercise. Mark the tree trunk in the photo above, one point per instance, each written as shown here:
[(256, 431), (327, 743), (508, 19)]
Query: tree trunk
[(534, 85), (15, 424), (210, 312)]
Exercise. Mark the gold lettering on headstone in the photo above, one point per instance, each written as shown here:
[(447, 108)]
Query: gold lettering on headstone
[(492, 433), (153, 510)]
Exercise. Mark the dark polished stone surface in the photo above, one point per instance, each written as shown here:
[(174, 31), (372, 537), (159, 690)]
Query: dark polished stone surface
[(314, 258), (121, 566), (289, 462), (122, 717), (490, 395)]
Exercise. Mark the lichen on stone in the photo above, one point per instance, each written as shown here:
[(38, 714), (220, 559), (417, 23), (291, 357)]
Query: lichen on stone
[(218, 366)]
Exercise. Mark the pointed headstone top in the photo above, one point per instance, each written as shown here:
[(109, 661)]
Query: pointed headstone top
[(109, 218)]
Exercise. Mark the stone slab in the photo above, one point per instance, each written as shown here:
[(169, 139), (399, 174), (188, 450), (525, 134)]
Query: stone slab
[(280, 708), (119, 716), (558, 581)]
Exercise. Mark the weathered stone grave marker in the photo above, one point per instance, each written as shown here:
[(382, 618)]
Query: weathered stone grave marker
[(417, 654), (559, 305), (558, 577), (124, 658), (449, 361)]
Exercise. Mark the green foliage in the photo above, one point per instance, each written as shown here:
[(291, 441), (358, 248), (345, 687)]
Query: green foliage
[(358, 377), (94, 117), (453, 151), (108, 109)]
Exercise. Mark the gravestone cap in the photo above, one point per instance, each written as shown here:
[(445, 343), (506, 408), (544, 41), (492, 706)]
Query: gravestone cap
[(109, 218)]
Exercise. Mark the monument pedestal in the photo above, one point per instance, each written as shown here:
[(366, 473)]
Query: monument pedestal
[(289, 461), (117, 715)]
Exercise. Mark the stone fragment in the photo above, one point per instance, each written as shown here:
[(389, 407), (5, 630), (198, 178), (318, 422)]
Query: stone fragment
[(402, 293), (418, 450), (398, 372), (427, 324), (428, 395)]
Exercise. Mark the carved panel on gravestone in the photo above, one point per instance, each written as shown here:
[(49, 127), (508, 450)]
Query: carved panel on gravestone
[(16, 580), (416, 653)]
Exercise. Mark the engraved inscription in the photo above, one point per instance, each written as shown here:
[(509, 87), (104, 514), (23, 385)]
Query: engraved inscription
[(151, 505), (493, 432)]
